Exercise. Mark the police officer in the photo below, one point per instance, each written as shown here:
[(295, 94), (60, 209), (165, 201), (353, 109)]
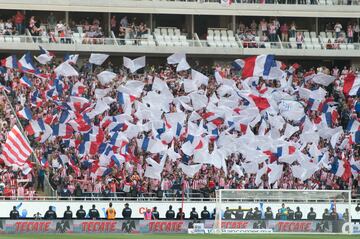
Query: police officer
[(311, 215), (291, 213), (170, 214), (326, 214), (110, 212), (346, 215), (81, 214), (227, 214), (193, 214), (155, 214), (205, 214), (94, 213), (50, 214), (126, 212), (257, 214), (14, 214), (298, 214), (68, 214), (180, 215), (239, 214), (269, 214), (249, 215), (334, 215), (213, 215)]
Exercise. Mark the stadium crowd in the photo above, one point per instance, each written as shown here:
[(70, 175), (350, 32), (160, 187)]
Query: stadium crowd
[(141, 134)]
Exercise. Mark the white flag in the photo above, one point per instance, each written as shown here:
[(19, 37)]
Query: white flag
[(98, 59), (190, 170), (106, 77), (176, 58), (43, 58), (134, 65), (183, 65), (65, 69), (323, 79)]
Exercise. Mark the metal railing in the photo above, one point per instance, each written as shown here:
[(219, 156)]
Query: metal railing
[(144, 42)]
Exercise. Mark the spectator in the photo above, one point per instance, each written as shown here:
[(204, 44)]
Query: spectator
[(299, 40), (284, 33), (350, 34), (337, 28), (19, 22)]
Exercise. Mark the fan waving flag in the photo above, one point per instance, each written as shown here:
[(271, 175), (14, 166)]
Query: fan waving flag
[(16, 149), (10, 62), (26, 63), (352, 85), (25, 113), (258, 66)]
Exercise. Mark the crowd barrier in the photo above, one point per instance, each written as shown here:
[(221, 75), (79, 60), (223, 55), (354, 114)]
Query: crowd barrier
[(163, 226)]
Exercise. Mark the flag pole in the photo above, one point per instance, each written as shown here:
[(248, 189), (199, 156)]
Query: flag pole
[(183, 197)]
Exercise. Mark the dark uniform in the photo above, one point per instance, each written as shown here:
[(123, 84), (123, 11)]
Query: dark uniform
[(126, 212), (269, 214), (257, 214), (205, 214), (326, 215), (298, 214), (227, 214), (249, 215), (291, 214), (155, 214), (334, 215), (68, 214), (50, 214), (14, 214), (170, 214), (194, 215), (180, 214), (311, 215), (80, 214), (239, 214), (94, 213)]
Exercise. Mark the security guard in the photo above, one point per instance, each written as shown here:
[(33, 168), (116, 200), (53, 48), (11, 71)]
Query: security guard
[(14, 214), (50, 214), (170, 214), (68, 214), (94, 213), (126, 213), (110, 212), (298, 214), (155, 214), (311, 215), (193, 214), (205, 214), (81, 214)]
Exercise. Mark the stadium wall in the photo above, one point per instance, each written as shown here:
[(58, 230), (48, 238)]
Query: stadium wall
[(176, 226), (27, 209)]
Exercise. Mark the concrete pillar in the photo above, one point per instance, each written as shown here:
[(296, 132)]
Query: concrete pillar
[(234, 23), (67, 18), (151, 23)]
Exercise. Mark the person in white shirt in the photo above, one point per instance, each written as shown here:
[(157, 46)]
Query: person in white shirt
[(337, 29)]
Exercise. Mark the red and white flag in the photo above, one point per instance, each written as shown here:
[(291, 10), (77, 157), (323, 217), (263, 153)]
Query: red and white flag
[(16, 149)]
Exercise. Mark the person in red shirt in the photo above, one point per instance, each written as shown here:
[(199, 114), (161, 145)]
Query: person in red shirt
[(19, 22)]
